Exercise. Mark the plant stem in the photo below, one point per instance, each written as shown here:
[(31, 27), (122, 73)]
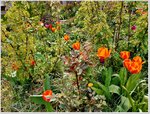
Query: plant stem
[(130, 99), (77, 83)]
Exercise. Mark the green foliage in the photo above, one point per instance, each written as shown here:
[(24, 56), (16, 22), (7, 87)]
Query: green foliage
[(92, 19), (132, 82), (114, 89), (39, 100), (124, 105), (123, 75), (35, 59)]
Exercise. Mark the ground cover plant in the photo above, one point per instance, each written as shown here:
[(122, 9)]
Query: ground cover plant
[(85, 56)]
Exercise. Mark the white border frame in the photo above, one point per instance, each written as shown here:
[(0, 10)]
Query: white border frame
[(94, 112)]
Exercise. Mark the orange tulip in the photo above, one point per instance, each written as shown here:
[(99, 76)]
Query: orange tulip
[(66, 37), (47, 95), (124, 54), (103, 53), (138, 59), (127, 63), (53, 29), (76, 46), (134, 68), (50, 26)]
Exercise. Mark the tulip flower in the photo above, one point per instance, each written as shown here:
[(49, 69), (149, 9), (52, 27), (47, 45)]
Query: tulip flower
[(50, 26), (76, 46), (47, 95), (66, 37), (46, 25), (138, 59), (127, 63), (103, 53), (134, 67), (53, 29), (133, 27), (124, 54)]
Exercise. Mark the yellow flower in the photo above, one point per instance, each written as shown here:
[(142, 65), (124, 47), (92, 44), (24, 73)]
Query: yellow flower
[(90, 84)]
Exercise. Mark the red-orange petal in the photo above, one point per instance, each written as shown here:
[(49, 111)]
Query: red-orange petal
[(47, 95)]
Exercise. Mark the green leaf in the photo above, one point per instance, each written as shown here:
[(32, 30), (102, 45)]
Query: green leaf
[(106, 90), (124, 105), (108, 74), (94, 83), (114, 89), (39, 56), (98, 91), (49, 107), (119, 109), (115, 80), (116, 75), (123, 75), (130, 98), (100, 86), (37, 99), (47, 83), (116, 55), (132, 82)]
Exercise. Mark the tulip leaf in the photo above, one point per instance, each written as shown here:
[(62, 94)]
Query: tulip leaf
[(130, 98), (98, 91), (115, 79), (124, 105), (49, 107), (101, 87), (47, 83), (37, 99), (108, 74), (132, 82), (105, 89), (123, 75), (114, 89)]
